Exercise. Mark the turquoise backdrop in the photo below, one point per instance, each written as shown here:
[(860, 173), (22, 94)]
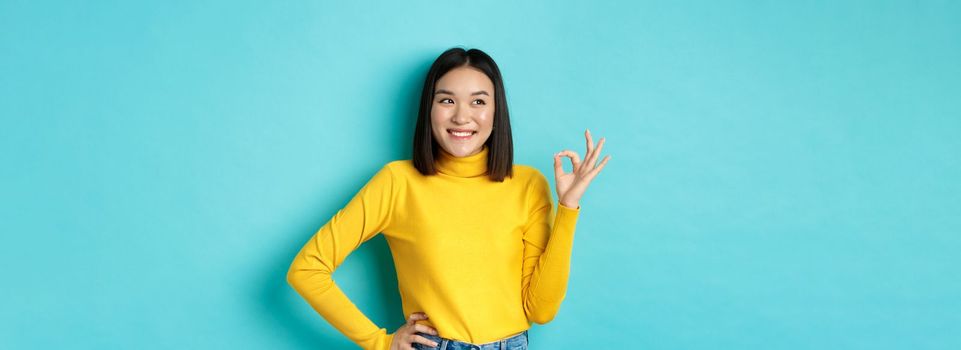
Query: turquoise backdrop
[(784, 175)]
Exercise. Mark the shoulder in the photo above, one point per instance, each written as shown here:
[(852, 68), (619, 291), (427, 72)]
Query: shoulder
[(389, 172), (529, 176), (536, 189), (400, 167), (524, 171)]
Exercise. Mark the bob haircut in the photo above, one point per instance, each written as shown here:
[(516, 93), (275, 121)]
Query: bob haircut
[(500, 159)]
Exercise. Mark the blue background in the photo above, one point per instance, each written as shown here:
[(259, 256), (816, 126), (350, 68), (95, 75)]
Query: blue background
[(783, 175)]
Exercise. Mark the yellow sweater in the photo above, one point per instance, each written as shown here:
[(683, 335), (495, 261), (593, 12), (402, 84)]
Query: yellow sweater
[(480, 258)]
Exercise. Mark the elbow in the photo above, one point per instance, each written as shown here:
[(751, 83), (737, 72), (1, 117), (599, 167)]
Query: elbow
[(542, 312), (292, 278), (297, 277), (541, 317), (307, 280)]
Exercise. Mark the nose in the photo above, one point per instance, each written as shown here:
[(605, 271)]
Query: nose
[(461, 116)]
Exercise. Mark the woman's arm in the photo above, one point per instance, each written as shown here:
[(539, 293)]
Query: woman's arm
[(366, 215), (547, 253), (547, 257)]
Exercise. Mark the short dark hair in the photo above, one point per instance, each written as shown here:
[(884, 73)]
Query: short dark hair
[(500, 159)]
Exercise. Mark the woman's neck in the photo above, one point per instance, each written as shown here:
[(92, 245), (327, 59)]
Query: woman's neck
[(468, 166)]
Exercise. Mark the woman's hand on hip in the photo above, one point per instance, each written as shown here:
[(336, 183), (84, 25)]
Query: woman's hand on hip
[(405, 336), (571, 186)]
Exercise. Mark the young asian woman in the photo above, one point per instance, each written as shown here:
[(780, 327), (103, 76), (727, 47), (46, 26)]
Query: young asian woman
[(479, 249)]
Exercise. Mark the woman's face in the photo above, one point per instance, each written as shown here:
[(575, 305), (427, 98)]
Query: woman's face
[(462, 111)]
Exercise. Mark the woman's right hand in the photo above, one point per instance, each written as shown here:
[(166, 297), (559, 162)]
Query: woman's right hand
[(406, 335)]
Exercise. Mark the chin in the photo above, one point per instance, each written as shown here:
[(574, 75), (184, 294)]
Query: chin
[(462, 150)]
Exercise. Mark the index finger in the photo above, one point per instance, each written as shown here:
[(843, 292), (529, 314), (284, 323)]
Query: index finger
[(416, 316)]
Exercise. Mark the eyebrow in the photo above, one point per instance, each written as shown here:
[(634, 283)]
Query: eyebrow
[(442, 91)]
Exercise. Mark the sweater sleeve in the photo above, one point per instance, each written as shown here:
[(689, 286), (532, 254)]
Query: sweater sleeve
[(547, 252), (365, 215)]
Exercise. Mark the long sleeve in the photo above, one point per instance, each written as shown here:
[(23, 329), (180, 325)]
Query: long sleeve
[(365, 215), (547, 252)]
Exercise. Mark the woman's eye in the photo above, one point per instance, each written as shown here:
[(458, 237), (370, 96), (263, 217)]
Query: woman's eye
[(481, 102), (445, 99)]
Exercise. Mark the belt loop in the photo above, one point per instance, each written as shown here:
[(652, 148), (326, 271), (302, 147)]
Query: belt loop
[(443, 345), (503, 344)]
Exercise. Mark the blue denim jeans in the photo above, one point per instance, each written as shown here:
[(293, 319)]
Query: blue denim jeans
[(517, 342)]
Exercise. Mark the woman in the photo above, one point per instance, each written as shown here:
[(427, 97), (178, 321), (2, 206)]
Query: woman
[(471, 233)]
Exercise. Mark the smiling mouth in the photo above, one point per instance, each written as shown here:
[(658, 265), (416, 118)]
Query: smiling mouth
[(459, 133)]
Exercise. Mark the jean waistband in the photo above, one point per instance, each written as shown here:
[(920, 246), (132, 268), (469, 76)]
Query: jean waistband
[(444, 342)]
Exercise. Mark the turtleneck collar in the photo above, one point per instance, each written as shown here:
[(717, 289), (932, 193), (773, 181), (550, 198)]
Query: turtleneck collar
[(469, 166)]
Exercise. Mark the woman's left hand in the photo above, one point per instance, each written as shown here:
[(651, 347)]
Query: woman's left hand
[(571, 186)]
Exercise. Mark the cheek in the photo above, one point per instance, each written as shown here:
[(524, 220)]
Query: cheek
[(488, 119), (436, 118), (439, 115)]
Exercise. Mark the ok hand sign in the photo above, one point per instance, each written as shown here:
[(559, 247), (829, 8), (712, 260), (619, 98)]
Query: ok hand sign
[(571, 186)]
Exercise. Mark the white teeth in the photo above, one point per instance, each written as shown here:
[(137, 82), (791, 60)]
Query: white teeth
[(462, 134)]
